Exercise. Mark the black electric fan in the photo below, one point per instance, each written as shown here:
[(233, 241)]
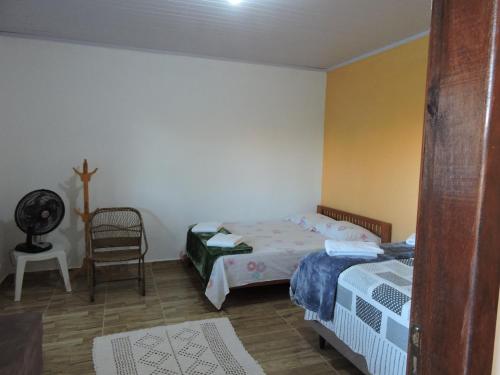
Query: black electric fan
[(38, 213)]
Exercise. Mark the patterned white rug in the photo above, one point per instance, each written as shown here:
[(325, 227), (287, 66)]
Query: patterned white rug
[(205, 347)]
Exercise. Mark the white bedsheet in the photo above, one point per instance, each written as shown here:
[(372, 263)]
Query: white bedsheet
[(372, 313), (278, 247)]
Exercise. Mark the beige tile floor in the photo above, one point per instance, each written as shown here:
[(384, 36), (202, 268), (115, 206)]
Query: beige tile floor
[(269, 325)]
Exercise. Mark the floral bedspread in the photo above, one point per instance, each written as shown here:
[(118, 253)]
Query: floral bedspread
[(278, 247)]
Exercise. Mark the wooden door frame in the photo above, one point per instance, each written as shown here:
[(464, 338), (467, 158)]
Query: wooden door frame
[(456, 274)]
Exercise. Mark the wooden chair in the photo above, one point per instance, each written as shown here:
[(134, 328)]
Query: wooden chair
[(117, 235)]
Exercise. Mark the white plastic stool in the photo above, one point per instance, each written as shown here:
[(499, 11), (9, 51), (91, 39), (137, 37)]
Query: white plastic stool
[(21, 258)]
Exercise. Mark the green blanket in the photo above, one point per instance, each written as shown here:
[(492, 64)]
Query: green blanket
[(204, 257)]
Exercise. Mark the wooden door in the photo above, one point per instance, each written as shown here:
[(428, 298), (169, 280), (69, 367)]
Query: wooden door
[(456, 274)]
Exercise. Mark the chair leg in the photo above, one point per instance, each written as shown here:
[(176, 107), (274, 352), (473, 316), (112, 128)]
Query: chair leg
[(91, 271), (63, 270), (143, 278), (322, 342), (139, 276), (21, 263)]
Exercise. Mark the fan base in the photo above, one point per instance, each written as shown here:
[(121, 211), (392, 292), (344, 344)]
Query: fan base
[(37, 247)]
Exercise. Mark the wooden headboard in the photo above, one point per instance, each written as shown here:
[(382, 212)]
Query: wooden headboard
[(380, 228)]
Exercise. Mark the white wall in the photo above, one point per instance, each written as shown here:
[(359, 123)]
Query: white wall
[(4, 261), (180, 138)]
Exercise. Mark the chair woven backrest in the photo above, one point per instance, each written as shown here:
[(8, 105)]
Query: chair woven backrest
[(116, 228)]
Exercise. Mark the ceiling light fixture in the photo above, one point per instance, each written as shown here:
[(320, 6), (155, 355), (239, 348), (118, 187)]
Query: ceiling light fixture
[(234, 2)]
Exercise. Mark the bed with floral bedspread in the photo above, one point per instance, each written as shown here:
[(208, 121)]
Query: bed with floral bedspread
[(277, 247)]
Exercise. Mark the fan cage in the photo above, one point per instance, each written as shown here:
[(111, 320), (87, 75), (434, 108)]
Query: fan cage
[(35, 227)]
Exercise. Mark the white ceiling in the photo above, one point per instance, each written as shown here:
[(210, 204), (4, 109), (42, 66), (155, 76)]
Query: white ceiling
[(306, 33)]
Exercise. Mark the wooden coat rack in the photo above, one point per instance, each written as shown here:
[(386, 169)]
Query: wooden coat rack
[(85, 177)]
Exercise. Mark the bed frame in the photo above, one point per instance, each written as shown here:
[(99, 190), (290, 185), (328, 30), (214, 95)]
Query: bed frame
[(384, 231), (325, 335), (380, 228)]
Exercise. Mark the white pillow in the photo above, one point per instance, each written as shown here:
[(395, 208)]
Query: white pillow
[(346, 231), (310, 221), (411, 240)]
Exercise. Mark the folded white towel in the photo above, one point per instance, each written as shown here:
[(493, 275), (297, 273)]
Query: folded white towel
[(411, 240), (224, 240), (352, 248), (207, 227)]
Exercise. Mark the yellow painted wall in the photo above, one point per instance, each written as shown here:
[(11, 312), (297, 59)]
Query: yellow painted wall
[(373, 136)]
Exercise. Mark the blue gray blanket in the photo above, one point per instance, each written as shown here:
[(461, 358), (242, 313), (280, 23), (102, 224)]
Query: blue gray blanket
[(314, 283)]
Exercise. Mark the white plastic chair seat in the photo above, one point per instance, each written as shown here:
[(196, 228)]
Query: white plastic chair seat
[(57, 252)]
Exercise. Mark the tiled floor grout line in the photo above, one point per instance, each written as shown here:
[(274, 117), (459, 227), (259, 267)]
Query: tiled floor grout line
[(298, 333), (158, 295), (104, 308), (45, 311)]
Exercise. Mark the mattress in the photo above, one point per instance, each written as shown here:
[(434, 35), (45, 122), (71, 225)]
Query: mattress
[(277, 246), (372, 313)]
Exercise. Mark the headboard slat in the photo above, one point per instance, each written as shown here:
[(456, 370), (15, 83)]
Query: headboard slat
[(380, 228)]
